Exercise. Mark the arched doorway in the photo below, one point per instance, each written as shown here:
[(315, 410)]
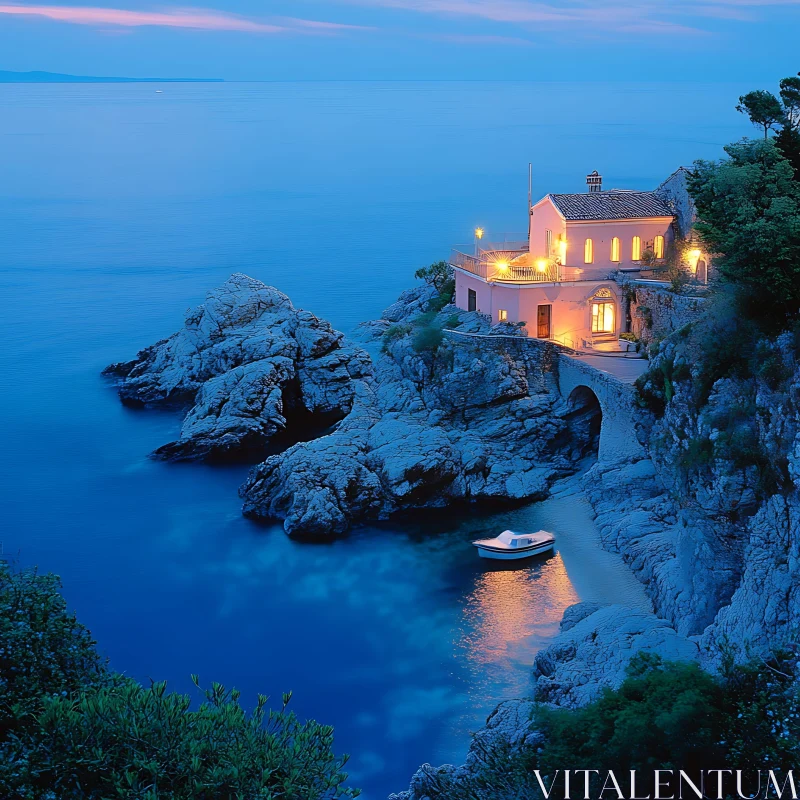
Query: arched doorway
[(584, 420), (604, 312)]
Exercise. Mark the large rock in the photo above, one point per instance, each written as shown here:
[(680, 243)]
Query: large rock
[(462, 419), (250, 365), (594, 652)]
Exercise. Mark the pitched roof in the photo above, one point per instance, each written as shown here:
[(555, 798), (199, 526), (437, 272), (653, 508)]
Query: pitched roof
[(616, 204)]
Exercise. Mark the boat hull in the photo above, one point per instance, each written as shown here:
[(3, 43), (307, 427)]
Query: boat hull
[(513, 555)]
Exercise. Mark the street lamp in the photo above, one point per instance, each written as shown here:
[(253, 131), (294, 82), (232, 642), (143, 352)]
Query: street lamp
[(478, 236)]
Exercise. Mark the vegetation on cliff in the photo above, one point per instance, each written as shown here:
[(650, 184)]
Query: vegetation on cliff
[(72, 729), (725, 385), (665, 715)]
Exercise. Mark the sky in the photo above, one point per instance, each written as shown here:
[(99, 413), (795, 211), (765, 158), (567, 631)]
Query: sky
[(571, 40)]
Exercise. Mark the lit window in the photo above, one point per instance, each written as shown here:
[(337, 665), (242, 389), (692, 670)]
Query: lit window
[(548, 243), (602, 317), (658, 246), (636, 249), (502, 315), (615, 249), (588, 254)]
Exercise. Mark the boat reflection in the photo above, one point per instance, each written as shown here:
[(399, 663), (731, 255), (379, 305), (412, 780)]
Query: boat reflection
[(512, 612)]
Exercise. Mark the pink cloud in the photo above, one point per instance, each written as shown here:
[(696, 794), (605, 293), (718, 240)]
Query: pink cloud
[(623, 16), (196, 19), (635, 16)]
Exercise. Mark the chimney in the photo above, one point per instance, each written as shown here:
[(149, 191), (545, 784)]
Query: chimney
[(594, 181)]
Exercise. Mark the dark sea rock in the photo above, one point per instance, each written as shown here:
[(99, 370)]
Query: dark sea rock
[(249, 365)]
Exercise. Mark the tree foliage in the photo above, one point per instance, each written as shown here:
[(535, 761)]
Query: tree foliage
[(748, 206), (437, 275), (763, 108), (781, 113), (73, 730), (665, 715)]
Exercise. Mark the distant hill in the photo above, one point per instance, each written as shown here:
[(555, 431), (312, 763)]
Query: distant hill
[(58, 77)]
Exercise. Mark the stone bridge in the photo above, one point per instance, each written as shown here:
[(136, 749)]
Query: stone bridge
[(583, 381), (616, 395)]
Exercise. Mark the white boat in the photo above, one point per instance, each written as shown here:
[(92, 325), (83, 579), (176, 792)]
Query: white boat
[(509, 546)]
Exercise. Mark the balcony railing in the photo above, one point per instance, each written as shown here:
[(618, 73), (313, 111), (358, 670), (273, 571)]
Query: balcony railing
[(498, 266)]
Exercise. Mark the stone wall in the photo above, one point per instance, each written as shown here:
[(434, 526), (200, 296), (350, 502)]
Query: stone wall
[(656, 312), (675, 193)]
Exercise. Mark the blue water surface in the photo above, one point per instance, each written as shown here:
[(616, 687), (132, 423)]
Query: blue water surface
[(119, 208)]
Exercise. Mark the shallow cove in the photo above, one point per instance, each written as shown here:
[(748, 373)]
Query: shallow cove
[(119, 209)]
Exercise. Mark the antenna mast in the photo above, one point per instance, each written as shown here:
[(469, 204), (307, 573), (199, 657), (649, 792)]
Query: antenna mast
[(530, 198)]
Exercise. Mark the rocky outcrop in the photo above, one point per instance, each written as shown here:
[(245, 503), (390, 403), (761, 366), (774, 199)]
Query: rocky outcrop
[(594, 649), (511, 727), (251, 366), (446, 418)]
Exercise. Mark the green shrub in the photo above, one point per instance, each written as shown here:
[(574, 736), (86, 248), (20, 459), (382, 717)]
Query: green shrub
[(44, 650), (392, 334), (749, 216), (649, 258), (130, 741), (629, 337), (453, 321), (665, 715), (70, 729), (699, 452), (426, 338), (445, 296)]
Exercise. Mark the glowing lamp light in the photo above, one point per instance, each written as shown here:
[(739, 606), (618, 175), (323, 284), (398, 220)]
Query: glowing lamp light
[(503, 265), (479, 233), (693, 258), (541, 265)]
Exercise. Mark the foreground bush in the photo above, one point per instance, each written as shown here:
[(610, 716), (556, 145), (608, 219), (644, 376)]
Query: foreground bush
[(73, 730), (665, 715)]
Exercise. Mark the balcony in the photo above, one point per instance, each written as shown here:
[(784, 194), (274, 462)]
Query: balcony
[(508, 264)]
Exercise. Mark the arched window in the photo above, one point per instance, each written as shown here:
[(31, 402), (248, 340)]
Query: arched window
[(658, 246), (615, 249), (588, 252), (636, 248)]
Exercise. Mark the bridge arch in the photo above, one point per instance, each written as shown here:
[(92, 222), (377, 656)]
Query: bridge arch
[(584, 418), (581, 385)]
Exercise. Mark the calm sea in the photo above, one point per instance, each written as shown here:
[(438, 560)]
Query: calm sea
[(119, 208)]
